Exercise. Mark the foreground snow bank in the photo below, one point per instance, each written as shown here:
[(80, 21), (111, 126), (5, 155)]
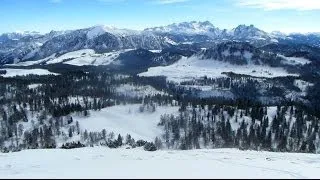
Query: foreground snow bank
[(100, 162)]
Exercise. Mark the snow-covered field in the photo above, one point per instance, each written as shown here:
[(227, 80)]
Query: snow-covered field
[(190, 68), (102, 162), (295, 60), (23, 72), (137, 91), (126, 119)]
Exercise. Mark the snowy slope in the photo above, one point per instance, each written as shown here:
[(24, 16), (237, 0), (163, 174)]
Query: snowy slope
[(96, 59), (100, 162), (30, 63), (190, 68), (23, 72), (101, 29), (77, 58), (126, 119), (72, 55)]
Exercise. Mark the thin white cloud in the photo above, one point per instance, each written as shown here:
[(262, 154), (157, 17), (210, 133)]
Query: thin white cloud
[(302, 5), (154, 1), (170, 1)]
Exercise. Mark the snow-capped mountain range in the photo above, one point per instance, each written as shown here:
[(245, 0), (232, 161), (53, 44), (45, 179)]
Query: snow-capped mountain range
[(31, 46)]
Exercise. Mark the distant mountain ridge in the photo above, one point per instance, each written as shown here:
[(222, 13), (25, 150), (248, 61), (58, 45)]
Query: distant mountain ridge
[(30, 46)]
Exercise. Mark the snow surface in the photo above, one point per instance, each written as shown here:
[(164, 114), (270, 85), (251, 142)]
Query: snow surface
[(126, 119), (191, 68), (189, 28), (170, 41), (302, 85), (155, 51), (77, 58), (30, 63), (295, 60), (101, 29), (96, 59), (102, 162), (24, 72), (33, 86), (72, 55), (137, 91)]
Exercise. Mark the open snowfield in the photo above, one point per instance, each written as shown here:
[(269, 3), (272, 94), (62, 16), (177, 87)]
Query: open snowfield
[(190, 68), (295, 60), (102, 162), (126, 119), (137, 91), (23, 72)]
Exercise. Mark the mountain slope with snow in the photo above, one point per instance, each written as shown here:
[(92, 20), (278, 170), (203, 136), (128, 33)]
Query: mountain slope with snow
[(189, 28), (18, 47)]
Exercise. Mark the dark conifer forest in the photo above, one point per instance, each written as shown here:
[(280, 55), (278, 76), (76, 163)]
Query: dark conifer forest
[(37, 111)]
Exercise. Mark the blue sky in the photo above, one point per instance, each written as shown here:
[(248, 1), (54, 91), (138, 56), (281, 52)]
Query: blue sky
[(269, 15)]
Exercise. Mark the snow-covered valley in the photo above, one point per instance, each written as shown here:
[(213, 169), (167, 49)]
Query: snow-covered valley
[(102, 162)]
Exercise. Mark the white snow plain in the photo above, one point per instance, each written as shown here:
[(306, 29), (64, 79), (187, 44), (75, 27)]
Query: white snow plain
[(102, 162), (24, 72), (193, 68)]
